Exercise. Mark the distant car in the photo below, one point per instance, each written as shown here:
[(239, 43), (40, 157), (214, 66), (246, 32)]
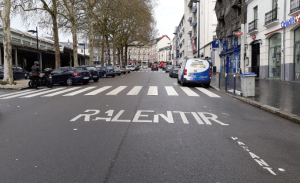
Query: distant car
[(117, 70), (174, 71), (164, 67), (168, 68), (70, 76), (94, 74), (106, 71), (123, 69), (154, 67), (137, 67), (128, 69), (132, 67), (145, 67), (18, 72)]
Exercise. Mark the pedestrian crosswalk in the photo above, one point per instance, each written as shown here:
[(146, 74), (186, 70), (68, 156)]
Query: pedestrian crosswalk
[(151, 91)]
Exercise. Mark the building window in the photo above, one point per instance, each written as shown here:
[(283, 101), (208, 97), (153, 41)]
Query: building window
[(297, 54), (275, 56)]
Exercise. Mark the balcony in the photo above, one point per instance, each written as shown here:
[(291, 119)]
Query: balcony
[(190, 19), (194, 23), (194, 9), (190, 32), (271, 18), (252, 26), (295, 7)]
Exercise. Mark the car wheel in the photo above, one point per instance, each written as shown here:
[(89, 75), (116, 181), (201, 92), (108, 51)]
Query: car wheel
[(70, 82), (119, 74), (113, 76), (206, 85), (30, 84), (85, 82), (105, 75), (96, 80), (49, 84), (182, 82)]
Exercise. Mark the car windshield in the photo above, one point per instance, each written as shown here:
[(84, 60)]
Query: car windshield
[(59, 70), (91, 68)]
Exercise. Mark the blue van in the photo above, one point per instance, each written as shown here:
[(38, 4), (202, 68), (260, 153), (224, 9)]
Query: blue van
[(195, 71)]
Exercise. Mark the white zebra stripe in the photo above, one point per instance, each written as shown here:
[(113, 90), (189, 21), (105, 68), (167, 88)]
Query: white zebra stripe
[(189, 92), (41, 93), (135, 90), (60, 92), (99, 90), (207, 92), (79, 91), (117, 90), (152, 90), (171, 91)]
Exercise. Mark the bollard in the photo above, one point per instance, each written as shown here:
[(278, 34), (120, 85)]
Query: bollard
[(225, 82), (220, 80), (234, 83)]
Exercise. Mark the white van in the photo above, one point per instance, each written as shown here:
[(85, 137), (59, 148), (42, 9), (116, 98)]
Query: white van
[(195, 71)]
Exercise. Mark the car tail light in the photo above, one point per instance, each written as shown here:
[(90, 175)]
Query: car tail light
[(209, 73), (185, 72), (106, 71), (89, 73), (75, 74)]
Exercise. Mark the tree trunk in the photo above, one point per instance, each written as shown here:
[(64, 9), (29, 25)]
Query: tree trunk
[(56, 38), (102, 51), (122, 55), (75, 56), (8, 73), (126, 48), (114, 51), (108, 49), (91, 40)]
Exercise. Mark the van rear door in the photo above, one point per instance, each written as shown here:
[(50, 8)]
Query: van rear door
[(198, 70)]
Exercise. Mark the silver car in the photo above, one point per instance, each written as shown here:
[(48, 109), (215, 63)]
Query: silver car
[(117, 70)]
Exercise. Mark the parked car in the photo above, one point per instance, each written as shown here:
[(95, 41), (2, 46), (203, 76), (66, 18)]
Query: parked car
[(93, 71), (18, 72), (154, 67), (174, 71), (168, 68), (195, 71), (70, 76), (132, 67), (106, 71), (164, 67), (128, 69), (117, 70), (145, 67), (137, 67), (123, 69)]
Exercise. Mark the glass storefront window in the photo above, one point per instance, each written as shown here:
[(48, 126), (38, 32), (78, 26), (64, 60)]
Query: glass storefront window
[(275, 56), (297, 55)]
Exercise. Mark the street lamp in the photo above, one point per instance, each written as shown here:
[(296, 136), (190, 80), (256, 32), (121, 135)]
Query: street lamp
[(37, 42), (83, 44)]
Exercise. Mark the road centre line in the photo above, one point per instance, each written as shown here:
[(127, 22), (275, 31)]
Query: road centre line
[(152, 90), (21, 94), (117, 90), (41, 93), (98, 91), (79, 91), (60, 92), (189, 92), (135, 90), (207, 92), (171, 91)]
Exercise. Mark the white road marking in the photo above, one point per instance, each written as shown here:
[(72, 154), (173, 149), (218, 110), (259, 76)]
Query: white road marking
[(21, 94), (99, 90), (171, 91), (207, 92), (175, 83), (41, 93), (117, 90), (135, 90), (79, 91), (236, 91), (189, 92), (152, 90), (60, 92), (5, 95)]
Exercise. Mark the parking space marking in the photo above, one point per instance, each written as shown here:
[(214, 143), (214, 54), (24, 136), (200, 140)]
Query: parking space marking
[(60, 92), (99, 90), (171, 91), (152, 90), (135, 90), (117, 90), (207, 92), (21, 94), (79, 91), (189, 92), (41, 93)]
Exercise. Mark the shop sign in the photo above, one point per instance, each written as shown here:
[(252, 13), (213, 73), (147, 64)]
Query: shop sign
[(215, 44), (238, 33), (291, 21), (254, 37)]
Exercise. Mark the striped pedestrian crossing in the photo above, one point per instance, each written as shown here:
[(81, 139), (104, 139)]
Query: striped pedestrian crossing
[(113, 91)]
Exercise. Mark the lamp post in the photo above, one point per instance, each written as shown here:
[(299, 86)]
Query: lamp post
[(83, 44), (37, 42)]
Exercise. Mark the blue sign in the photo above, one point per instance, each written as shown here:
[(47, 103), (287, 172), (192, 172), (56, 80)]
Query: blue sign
[(215, 44), (228, 65), (291, 21)]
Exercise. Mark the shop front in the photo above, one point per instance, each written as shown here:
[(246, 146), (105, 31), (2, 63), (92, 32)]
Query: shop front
[(297, 55), (275, 56)]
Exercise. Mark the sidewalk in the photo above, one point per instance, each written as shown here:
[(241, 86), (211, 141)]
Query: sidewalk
[(21, 84), (279, 97)]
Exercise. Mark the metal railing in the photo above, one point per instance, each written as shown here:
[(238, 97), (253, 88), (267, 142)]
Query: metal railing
[(253, 25), (295, 6), (271, 16)]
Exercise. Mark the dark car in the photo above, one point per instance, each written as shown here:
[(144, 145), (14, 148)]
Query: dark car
[(93, 71), (174, 71), (18, 72), (168, 68), (154, 67), (70, 76), (137, 67), (106, 71), (164, 67)]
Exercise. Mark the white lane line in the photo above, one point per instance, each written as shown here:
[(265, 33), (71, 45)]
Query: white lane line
[(13, 93), (171, 91), (207, 92), (41, 93), (117, 90), (60, 92), (236, 91), (99, 90), (189, 92), (135, 90), (21, 94), (79, 91), (152, 90)]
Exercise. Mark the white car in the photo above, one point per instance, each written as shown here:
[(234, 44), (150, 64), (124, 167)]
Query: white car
[(132, 67)]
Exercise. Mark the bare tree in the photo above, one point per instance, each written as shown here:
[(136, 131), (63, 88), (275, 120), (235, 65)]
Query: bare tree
[(5, 17)]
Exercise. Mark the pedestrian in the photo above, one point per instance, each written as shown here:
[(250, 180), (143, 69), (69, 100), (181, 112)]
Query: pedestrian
[(35, 70)]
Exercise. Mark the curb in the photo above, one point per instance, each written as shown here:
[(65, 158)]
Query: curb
[(273, 110)]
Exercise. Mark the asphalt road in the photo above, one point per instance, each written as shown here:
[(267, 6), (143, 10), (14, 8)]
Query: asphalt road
[(142, 127)]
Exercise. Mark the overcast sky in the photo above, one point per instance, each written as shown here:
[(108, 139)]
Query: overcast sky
[(168, 14)]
